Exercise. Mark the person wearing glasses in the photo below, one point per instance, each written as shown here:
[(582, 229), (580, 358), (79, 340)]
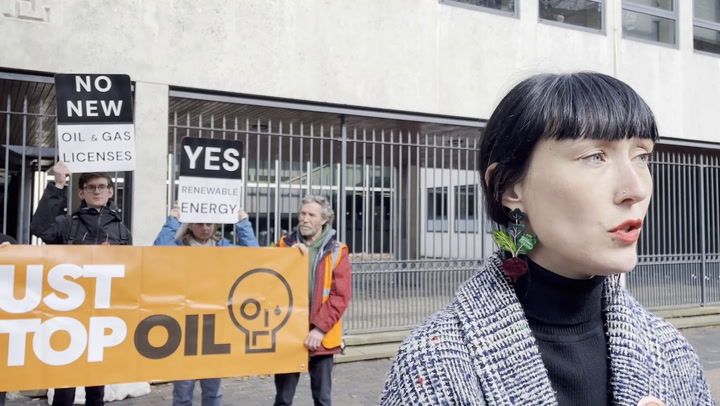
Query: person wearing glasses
[(97, 221)]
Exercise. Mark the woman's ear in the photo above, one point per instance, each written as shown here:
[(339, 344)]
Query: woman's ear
[(513, 196), (489, 172)]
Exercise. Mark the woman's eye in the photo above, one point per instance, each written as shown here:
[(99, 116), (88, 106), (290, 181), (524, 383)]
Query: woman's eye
[(645, 158), (596, 157)]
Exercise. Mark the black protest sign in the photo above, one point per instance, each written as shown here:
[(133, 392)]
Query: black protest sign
[(211, 158), (91, 98)]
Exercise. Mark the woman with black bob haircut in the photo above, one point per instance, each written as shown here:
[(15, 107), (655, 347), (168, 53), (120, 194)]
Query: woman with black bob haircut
[(545, 320)]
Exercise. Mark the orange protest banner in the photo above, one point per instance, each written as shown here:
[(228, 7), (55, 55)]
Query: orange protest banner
[(91, 315)]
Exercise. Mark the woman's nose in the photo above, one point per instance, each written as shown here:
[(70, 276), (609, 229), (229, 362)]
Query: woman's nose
[(634, 183)]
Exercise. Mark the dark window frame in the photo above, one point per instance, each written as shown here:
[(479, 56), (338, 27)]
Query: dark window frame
[(629, 5), (460, 3), (433, 216), (704, 24), (603, 13)]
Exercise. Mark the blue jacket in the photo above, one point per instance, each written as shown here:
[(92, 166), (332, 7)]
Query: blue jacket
[(243, 231)]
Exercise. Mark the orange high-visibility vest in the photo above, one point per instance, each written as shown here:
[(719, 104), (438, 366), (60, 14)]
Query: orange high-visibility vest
[(333, 337)]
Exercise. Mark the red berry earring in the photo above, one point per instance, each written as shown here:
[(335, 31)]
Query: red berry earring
[(513, 242)]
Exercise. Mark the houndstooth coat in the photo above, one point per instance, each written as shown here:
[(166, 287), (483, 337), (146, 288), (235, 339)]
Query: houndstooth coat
[(480, 351)]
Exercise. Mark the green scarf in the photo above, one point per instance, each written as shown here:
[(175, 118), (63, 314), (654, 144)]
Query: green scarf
[(313, 252)]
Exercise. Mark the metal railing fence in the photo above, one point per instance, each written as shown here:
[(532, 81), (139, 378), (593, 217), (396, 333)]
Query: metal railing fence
[(679, 249)]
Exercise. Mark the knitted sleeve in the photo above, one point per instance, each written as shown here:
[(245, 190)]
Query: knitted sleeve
[(433, 367), (687, 379)]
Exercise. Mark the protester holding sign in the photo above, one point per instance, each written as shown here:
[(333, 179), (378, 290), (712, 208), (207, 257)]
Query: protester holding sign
[(203, 234), (173, 233), (329, 293), (97, 221)]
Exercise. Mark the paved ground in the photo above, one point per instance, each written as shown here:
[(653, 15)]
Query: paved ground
[(359, 383), (354, 384)]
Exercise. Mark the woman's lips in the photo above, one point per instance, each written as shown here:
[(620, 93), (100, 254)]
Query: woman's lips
[(627, 231), (628, 237)]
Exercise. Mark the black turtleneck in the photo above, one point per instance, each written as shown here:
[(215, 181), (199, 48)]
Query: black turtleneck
[(565, 316)]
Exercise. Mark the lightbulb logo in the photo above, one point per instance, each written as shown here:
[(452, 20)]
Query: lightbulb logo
[(257, 314)]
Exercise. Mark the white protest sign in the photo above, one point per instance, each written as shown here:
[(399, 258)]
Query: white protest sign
[(210, 184), (95, 130)]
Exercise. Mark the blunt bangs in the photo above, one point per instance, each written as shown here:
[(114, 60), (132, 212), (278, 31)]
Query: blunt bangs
[(591, 106)]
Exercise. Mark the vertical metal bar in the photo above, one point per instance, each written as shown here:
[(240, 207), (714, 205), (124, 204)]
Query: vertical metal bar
[(312, 150), (471, 228), (38, 130), (187, 134), (383, 189), (393, 204), (424, 195), (420, 195), (22, 237), (321, 167), (435, 190), (278, 178), (303, 163), (353, 228), (662, 209), (257, 176), (703, 266), (408, 189), (403, 181), (372, 192), (291, 177), (268, 182), (673, 209), (364, 194), (7, 162), (171, 181), (446, 201), (342, 193), (235, 132), (246, 169), (455, 151)]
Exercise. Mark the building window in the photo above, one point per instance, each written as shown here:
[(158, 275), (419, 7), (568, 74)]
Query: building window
[(437, 214), (650, 20), (706, 26), (507, 6), (580, 13), (466, 220)]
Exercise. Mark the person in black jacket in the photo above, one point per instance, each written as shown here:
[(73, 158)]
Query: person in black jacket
[(97, 221), (6, 240)]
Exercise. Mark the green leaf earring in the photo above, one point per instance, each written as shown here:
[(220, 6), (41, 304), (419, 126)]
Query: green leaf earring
[(516, 242)]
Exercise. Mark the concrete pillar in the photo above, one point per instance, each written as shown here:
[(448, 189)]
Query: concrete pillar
[(149, 187)]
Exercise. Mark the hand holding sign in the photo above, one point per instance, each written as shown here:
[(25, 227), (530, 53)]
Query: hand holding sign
[(302, 248), (175, 211), (62, 173)]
